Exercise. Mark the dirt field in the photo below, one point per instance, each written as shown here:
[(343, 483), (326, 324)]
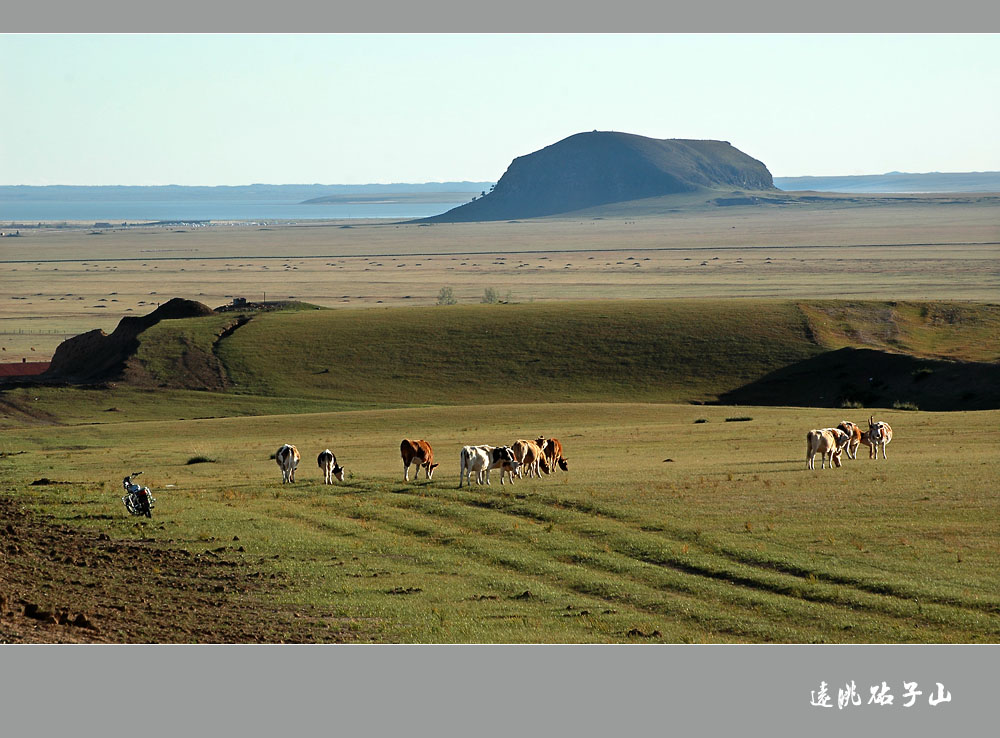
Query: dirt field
[(914, 249), (62, 585)]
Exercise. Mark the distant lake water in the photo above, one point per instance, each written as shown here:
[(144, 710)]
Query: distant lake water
[(34, 211)]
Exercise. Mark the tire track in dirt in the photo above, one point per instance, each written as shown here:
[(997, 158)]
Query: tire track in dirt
[(886, 589), (819, 592), (687, 603)]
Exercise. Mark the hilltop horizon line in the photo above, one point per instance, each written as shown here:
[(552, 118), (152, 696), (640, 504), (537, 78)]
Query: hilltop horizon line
[(470, 182)]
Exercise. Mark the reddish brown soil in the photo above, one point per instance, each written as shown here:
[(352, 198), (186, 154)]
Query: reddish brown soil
[(23, 369), (63, 585)]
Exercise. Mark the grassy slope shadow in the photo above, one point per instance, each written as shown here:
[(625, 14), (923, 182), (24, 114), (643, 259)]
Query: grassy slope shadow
[(874, 379)]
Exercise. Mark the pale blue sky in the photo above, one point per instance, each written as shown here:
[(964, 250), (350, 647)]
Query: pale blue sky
[(239, 109)]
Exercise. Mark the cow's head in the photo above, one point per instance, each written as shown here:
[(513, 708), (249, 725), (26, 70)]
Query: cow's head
[(338, 472), (562, 461), (543, 464), (430, 471), (874, 429)]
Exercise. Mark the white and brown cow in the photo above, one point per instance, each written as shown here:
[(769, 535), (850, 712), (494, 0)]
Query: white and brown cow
[(878, 435), (532, 458), (854, 431), (328, 463), (828, 442), (532, 461), (287, 458), (553, 452), (419, 453), (480, 459)]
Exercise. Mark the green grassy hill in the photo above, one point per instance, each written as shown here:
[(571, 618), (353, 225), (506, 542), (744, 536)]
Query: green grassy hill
[(931, 356), (609, 351)]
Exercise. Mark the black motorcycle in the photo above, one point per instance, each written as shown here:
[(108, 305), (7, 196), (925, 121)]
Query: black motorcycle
[(138, 499)]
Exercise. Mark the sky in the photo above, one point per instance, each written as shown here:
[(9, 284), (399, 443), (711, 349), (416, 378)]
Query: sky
[(207, 109)]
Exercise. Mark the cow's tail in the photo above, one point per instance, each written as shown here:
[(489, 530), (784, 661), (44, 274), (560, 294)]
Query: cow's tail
[(810, 444)]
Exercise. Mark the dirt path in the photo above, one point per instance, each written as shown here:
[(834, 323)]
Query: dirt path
[(62, 585)]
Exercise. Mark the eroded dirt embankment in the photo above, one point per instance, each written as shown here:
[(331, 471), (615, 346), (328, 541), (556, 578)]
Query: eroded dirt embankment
[(64, 585), (96, 356)]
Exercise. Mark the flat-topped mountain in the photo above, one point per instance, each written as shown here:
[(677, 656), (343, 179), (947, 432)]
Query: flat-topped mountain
[(601, 167)]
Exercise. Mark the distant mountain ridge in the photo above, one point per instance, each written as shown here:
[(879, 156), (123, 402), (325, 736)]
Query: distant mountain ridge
[(900, 182), (286, 192), (600, 167)]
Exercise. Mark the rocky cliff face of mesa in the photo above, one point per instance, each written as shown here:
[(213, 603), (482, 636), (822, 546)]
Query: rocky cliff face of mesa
[(590, 169)]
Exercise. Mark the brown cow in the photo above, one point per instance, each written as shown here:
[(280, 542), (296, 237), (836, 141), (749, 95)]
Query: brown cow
[(854, 437), (532, 460), (419, 453), (553, 452)]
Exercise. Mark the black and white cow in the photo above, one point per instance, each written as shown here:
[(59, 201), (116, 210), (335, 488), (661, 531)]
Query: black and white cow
[(481, 459), (328, 463), (287, 458)]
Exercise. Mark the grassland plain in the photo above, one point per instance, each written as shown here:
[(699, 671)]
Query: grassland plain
[(733, 540), (57, 282), (730, 541)]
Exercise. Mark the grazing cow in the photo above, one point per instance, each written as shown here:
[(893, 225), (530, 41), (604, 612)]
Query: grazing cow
[(552, 450), (878, 434), (287, 458), (532, 460), (854, 431), (419, 453), (481, 459), (328, 463), (828, 442)]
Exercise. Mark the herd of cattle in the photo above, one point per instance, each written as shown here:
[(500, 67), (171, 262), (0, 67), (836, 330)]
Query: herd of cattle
[(543, 455), (829, 443)]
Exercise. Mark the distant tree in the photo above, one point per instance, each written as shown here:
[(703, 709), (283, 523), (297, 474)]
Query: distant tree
[(491, 296), (483, 193), (446, 296)]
